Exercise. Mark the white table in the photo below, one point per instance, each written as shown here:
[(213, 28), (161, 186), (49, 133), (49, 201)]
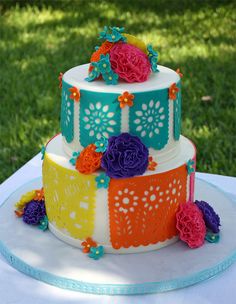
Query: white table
[(18, 288)]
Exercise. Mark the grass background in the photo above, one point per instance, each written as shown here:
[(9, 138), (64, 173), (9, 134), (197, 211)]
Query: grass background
[(39, 39)]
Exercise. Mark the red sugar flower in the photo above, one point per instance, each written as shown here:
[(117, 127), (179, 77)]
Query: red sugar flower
[(173, 89), (87, 244), (191, 225), (75, 93), (180, 74), (60, 80), (151, 164), (126, 99)]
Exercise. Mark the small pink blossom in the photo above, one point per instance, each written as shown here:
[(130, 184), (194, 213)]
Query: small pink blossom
[(191, 225)]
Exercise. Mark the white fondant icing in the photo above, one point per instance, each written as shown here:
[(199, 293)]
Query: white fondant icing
[(76, 77), (108, 248), (165, 162), (125, 119)]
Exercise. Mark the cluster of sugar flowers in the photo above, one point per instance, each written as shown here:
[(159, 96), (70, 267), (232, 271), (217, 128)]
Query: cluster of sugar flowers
[(31, 207), (122, 56), (197, 222), (120, 156), (94, 251)]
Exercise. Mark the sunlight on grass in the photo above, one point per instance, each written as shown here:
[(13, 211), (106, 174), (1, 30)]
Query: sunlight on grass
[(39, 41)]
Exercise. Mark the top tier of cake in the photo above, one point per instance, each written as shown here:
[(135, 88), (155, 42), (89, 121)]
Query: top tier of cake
[(91, 110)]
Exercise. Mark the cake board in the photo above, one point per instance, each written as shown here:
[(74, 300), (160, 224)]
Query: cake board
[(44, 257)]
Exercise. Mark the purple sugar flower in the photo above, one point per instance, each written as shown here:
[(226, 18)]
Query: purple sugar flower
[(34, 212), (126, 156), (211, 218)]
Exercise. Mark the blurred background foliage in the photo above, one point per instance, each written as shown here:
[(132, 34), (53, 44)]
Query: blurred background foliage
[(39, 39)]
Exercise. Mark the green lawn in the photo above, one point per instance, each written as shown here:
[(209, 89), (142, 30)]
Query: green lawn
[(41, 39)]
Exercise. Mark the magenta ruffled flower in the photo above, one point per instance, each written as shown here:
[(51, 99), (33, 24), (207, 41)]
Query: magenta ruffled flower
[(211, 218), (191, 225), (129, 62)]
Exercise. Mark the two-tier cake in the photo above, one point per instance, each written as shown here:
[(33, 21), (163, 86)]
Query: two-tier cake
[(119, 170), (120, 177)]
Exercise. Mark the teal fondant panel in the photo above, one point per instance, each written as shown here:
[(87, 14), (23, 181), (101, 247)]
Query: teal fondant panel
[(177, 114), (149, 118), (67, 113), (100, 116)]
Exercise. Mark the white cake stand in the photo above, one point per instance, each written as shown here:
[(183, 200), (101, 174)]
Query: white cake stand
[(42, 256)]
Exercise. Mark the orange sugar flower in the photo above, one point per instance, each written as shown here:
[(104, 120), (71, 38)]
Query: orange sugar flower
[(87, 244), (89, 160), (75, 94), (180, 74), (151, 164), (103, 49), (39, 195), (173, 89), (60, 80), (126, 99)]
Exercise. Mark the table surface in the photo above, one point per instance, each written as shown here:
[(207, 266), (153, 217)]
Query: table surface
[(18, 288)]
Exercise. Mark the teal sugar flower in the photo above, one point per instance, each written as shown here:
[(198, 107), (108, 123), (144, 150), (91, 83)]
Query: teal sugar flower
[(153, 58), (43, 150), (102, 180), (74, 157), (101, 145), (114, 35), (110, 78), (96, 252), (43, 224), (190, 163), (104, 64), (212, 237)]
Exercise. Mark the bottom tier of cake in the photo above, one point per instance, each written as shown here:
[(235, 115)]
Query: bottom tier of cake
[(131, 215)]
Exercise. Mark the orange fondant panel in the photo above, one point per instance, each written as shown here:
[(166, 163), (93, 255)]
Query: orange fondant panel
[(142, 209)]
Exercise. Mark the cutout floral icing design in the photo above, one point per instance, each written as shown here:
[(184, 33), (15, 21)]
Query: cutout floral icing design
[(75, 94), (177, 116), (149, 121), (126, 99), (67, 114), (173, 90), (142, 211), (97, 121), (102, 180), (70, 200)]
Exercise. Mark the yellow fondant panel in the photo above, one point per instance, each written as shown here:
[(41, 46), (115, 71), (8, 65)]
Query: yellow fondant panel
[(69, 198)]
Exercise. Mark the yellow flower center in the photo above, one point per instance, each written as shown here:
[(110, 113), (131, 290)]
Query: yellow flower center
[(113, 36), (125, 100), (104, 65), (101, 145), (97, 252), (88, 245), (110, 78), (102, 181), (74, 94)]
